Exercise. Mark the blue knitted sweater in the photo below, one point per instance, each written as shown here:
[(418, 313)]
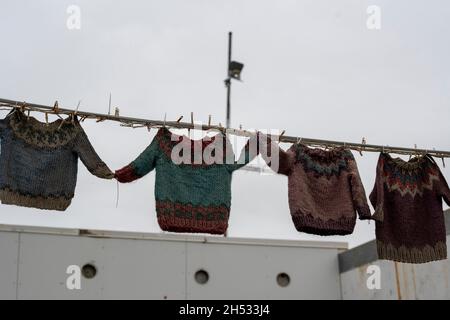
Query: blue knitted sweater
[(38, 161)]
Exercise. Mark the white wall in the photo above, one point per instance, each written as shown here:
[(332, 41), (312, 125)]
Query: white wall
[(163, 267)]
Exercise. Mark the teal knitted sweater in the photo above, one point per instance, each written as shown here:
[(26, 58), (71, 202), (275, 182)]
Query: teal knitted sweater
[(193, 180)]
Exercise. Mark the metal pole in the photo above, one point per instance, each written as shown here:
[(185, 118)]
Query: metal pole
[(228, 81)]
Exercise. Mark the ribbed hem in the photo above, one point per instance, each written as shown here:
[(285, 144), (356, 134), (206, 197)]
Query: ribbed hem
[(428, 253), (187, 217), (44, 203), (309, 224), (174, 224)]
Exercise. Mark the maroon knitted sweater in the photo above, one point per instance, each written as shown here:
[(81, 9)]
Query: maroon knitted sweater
[(325, 189), (408, 197)]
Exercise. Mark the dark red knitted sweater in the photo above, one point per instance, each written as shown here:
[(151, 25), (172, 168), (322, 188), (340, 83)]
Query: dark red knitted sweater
[(325, 189), (408, 197)]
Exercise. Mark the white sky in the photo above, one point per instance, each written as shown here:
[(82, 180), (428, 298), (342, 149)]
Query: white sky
[(312, 68)]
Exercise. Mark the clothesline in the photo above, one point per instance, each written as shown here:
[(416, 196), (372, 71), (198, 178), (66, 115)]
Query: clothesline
[(137, 122)]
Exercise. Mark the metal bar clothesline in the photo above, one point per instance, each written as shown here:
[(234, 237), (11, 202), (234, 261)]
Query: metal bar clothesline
[(133, 122)]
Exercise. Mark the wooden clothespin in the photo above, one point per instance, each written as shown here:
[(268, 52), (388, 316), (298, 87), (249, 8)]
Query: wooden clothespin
[(56, 107), (46, 118), (117, 112), (443, 161), (62, 123), (281, 136), (78, 107), (209, 121), (192, 123), (109, 104), (363, 142)]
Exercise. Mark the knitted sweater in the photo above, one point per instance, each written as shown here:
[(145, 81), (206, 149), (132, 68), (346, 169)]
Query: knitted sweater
[(193, 195), (408, 197), (325, 189), (38, 162)]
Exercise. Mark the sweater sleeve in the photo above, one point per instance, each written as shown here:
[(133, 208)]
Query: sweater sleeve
[(358, 191), (445, 191), (141, 166), (276, 158), (90, 158), (376, 196)]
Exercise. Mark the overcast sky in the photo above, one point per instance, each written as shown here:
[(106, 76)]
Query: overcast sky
[(312, 68)]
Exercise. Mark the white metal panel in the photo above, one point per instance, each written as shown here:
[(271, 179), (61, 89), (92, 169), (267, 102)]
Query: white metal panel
[(250, 272), (165, 236), (129, 269), (354, 283), (9, 243)]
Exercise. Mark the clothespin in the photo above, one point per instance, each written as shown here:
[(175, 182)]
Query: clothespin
[(192, 123), (165, 117), (149, 128), (117, 112), (299, 140), (62, 123), (179, 119), (443, 161), (28, 114), (22, 107), (56, 107), (109, 104), (209, 121), (363, 142), (46, 118), (78, 107), (281, 136)]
